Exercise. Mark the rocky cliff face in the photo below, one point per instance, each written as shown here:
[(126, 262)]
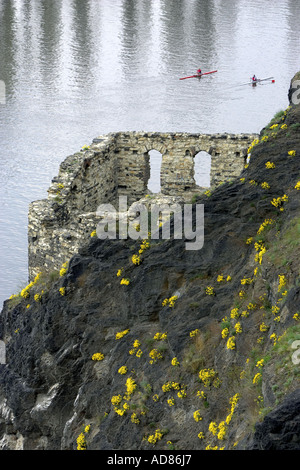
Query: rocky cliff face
[(198, 351)]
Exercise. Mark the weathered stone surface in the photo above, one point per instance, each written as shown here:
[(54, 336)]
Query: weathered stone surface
[(116, 165)]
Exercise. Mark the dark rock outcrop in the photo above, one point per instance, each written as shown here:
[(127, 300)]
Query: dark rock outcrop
[(52, 386), (280, 430)]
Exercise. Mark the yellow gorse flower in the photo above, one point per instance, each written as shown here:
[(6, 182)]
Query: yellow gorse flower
[(194, 333), (63, 269), (251, 306), (233, 402), (208, 377), (171, 401), (221, 430), (160, 336), (297, 186), (273, 336), (116, 399), (170, 302), (209, 290), (277, 202), (130, 386), (134, 419), (259, 256), (25, 293), (260, 363), (244, 314), (81, 442), (62, 291), (275, 309), (181, 394), (234, 313), (257, 378), (175, 361), (255, 142), (157, 436), (97, 357), (258, 246), (282, 282), (144, 246), (225, 332), (136, 259), (155, 355), (213, 428), (37, 297), (265, 223), (245, 281), (168, 386), (263, 327), (121, 334), (138, 352), (231, 343), (197, 416)]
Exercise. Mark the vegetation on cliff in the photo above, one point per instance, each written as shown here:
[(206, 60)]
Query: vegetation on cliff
[(142, 345)]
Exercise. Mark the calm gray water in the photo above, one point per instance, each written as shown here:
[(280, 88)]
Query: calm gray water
[(75, 69)]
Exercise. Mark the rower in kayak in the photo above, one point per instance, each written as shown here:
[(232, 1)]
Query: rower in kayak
[(199, 74), (253, 80)]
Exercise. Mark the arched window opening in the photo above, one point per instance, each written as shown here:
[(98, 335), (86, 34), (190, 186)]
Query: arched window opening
[(202, 167), (155, 166)]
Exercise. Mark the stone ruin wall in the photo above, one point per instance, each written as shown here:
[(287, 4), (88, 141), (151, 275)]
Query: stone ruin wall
[(118, 164)]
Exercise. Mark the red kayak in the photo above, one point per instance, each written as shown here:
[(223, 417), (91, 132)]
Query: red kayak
[(199, 75)]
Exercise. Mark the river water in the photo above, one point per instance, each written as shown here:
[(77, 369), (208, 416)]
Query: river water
[(73, 70)]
